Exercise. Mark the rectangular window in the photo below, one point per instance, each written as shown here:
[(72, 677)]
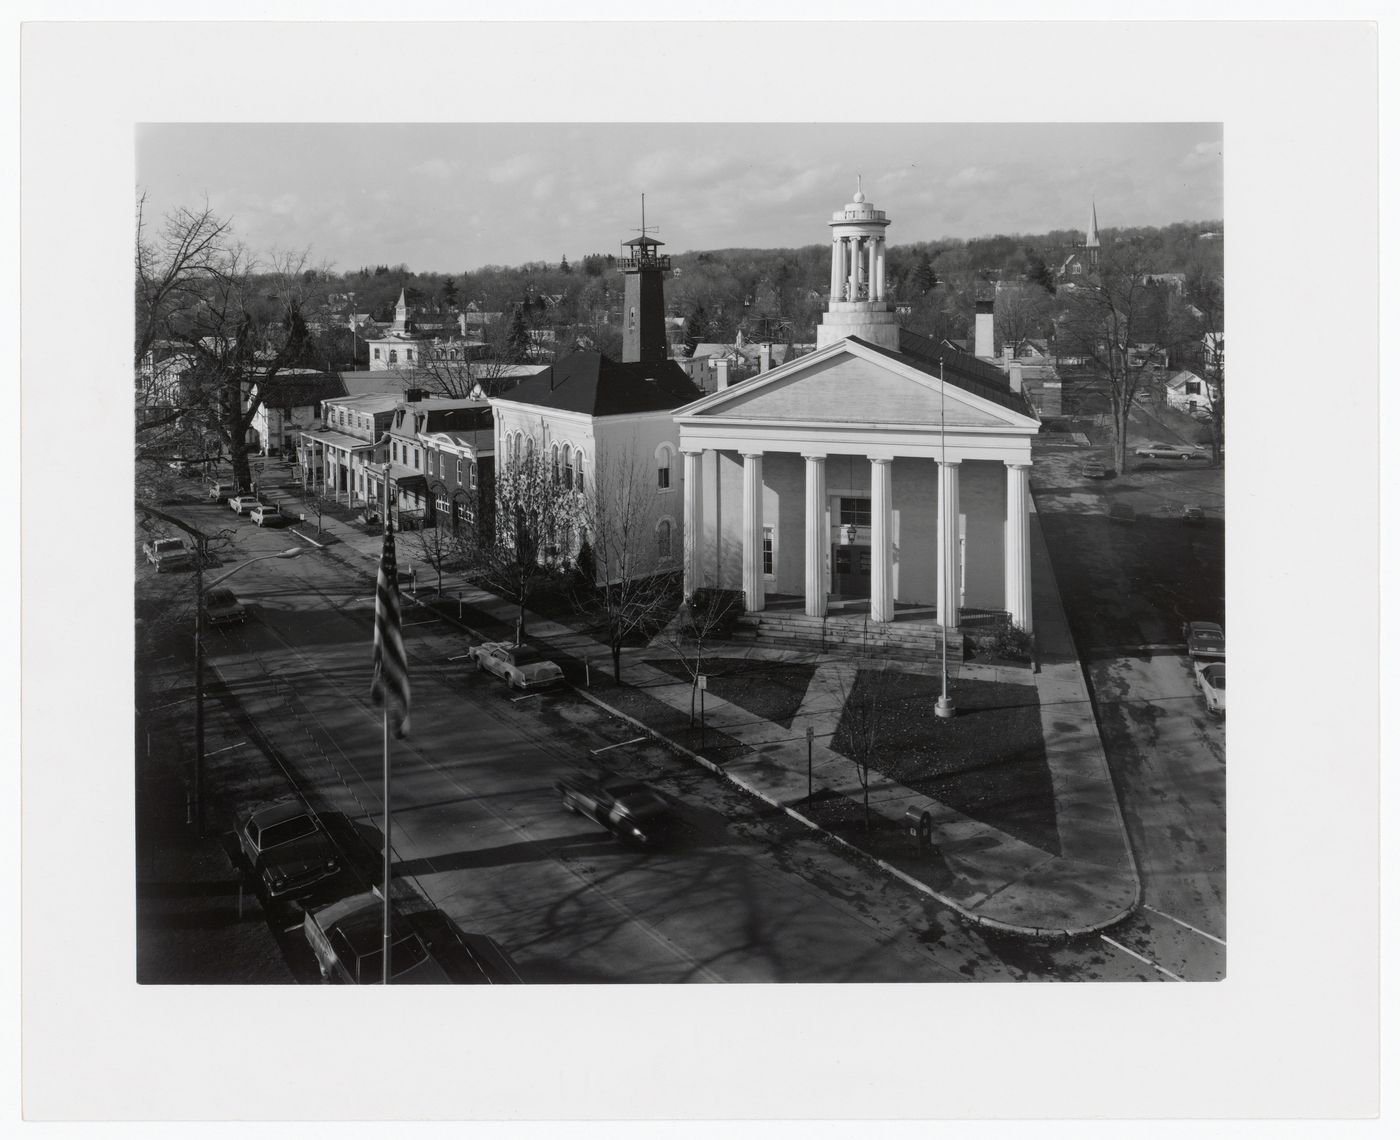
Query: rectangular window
[(394, 450), (768, 552), (663, 478), (855, 512), (415, 459), (471, 474), (459, 471)]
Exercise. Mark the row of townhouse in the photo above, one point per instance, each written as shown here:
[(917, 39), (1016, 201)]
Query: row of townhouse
[(435, 457)]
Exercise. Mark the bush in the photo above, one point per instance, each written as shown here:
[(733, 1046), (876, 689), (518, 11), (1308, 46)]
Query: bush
[(1015, 644)]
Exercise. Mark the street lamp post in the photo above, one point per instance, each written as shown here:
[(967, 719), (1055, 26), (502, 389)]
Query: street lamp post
[(199, 591)]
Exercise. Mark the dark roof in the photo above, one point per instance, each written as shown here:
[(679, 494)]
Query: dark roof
[(301, 390), (959, 368), (595, 385)]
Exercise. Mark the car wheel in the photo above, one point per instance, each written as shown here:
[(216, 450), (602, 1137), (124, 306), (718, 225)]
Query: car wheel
[(1185, 458), (480, 668)]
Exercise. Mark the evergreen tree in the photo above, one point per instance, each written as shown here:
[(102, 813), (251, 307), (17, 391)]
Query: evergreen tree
[(564, 266), (697, 328), (923, 278), (518, 338)]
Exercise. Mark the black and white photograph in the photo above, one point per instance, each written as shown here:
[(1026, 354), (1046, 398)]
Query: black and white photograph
[(811, 572), (631, 512)]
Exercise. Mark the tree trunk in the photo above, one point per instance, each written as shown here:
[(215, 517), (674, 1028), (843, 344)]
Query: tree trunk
[(617, 659)]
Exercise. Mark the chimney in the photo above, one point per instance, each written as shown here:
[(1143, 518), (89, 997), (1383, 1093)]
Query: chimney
[(721, 375), (462, 323), (765, 358), (1006, 357), (1015, 375), (983, 344)]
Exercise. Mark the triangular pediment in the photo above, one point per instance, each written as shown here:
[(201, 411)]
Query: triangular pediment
[(850, 383)]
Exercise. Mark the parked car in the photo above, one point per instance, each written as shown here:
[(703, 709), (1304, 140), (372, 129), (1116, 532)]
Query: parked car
[(1193, 515), (1204, 639), (1093, 469), (634, 812), (265, 513), (168, 554), (219, 490), (1210, 676), (222, 607), (1169, 451), (520, 666), (286, 847), (347, 938), (1122, 512), (242, 504)]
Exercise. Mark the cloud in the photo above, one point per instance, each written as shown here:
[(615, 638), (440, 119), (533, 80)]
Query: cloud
[(440, 168), (516, 168), (1203, 154), (972, 176)]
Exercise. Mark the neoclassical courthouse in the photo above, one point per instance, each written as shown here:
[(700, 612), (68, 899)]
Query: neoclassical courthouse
[(881, 466)]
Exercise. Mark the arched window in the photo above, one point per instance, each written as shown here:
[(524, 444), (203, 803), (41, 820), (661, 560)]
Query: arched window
[(554, 465), (663, 467), (393, 356), (663, 540), (568, 467), (578, 477)]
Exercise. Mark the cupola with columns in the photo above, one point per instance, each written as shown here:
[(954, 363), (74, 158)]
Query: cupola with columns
[(858, 305)]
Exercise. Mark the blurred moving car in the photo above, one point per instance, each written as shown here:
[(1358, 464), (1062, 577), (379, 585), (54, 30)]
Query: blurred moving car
[(219, 490), (1093, 469), (634, 812), (347, 938), (1210, 676), (1204, 639), (1122, 512), (520, 666), (1169, 451), (221, 607), (242, 504), (1192, 514), (168, 554), (286, 847)]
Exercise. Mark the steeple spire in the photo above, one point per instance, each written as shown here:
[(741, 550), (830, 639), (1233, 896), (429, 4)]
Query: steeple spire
[(1092, 242)]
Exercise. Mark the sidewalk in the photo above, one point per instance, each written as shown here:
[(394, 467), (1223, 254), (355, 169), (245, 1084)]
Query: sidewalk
[(991, 878)]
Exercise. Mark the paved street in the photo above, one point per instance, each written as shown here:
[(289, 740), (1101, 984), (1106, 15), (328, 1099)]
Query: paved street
[(747, 894)]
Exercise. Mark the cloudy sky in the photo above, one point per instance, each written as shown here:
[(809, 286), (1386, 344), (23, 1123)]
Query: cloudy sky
[(453, 197)]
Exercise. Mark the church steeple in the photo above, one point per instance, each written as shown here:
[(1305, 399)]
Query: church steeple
[(1091, 242), (643, 300), (401, 313)]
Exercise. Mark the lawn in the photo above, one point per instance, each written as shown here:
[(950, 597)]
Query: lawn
[(770, 690), (988, 762)]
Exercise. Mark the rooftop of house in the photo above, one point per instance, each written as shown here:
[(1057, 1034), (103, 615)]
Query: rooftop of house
[(369, 402), (595, 385), (301, 388), (960, 369)]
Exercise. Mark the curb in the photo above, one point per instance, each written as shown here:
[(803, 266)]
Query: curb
[(972, 916)]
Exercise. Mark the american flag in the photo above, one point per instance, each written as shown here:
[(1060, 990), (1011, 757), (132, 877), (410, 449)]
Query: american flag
[(390, 664)]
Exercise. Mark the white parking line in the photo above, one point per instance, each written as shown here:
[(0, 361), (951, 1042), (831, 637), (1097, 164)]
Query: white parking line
[(526, 697), (230, 748), (620, 744), (1139, 957), (1193, 929)]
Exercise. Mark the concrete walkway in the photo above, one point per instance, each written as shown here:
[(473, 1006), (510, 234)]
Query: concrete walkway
[(992, 878)]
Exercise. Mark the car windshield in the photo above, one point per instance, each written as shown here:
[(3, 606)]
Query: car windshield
[(1216, 676), (524, 655), (168, 544), (219, 596), (1209, 635), (408, 953), (285, 831)]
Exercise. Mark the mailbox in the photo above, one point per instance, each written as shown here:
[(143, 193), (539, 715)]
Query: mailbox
[(920, 825)]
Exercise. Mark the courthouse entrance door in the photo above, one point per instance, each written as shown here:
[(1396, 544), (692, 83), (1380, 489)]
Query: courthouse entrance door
[(850, 571)]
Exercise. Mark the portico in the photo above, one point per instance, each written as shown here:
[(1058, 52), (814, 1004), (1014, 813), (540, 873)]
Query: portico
[(853, 474)]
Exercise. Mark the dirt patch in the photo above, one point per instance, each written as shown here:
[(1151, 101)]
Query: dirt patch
[(770, 690)]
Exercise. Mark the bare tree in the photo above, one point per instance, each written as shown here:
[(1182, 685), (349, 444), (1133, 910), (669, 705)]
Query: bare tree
[(1021, 311), (172, 265), (536, 517), (437, 546), (1206, 293), (632, 548), (1121, 323), (858, 732), (703, 618)]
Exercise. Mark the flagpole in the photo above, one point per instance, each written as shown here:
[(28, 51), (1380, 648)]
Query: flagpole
[(388, 817), (943, 707)]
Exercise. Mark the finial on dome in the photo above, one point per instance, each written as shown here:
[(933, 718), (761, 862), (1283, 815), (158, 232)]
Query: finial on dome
[(860, 194)]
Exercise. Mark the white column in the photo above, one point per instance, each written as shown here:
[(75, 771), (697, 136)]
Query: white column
[(753, 531), (948, 544), (854, 280), (870, 244), (690, 522), (1018, 544), (837, 253), (818, 537), (881, 541), (880, 268)]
